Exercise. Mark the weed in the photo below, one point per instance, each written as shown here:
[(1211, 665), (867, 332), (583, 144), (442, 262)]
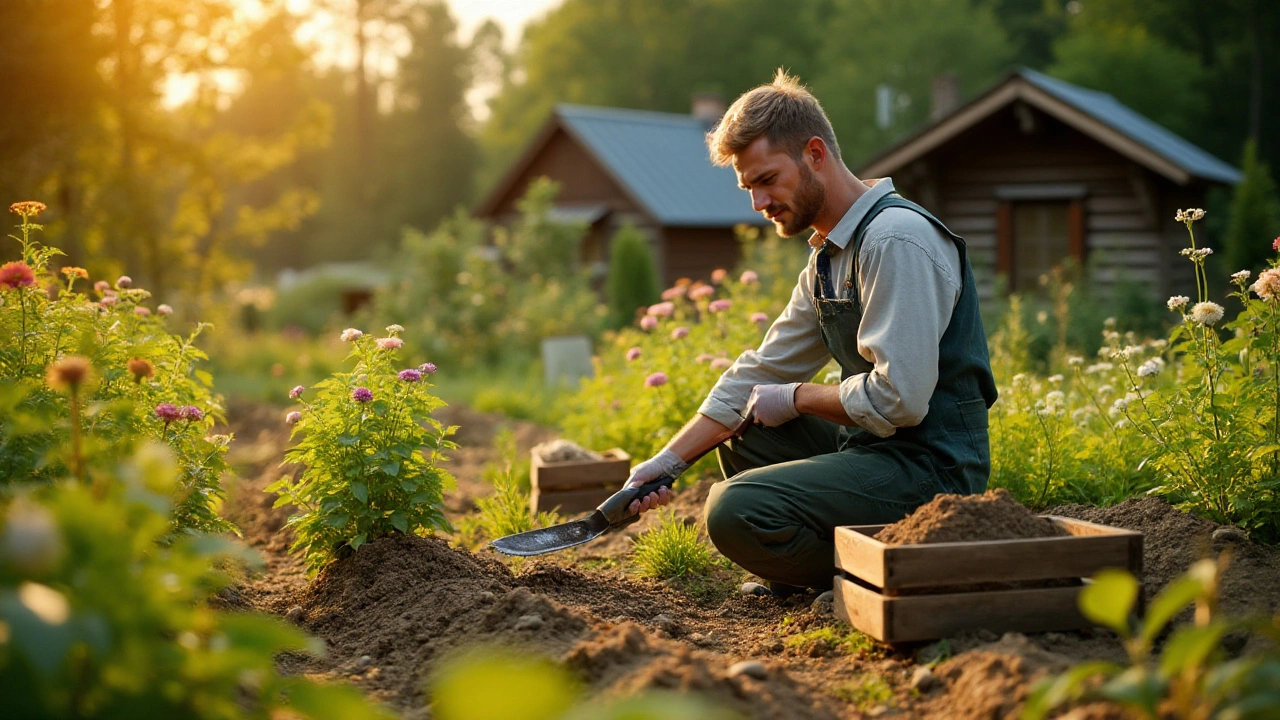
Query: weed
[(671, 550), (866, 693), (506, 511), (838, 638)]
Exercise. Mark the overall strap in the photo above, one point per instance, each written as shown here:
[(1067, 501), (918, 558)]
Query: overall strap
[(891, 200)]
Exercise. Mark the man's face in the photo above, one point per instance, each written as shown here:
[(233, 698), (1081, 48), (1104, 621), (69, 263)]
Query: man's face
[(782, 188)]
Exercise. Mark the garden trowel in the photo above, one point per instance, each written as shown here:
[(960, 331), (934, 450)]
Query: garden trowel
[(612, 514)]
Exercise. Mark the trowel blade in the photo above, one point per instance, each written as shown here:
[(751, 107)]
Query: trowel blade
[(551, 539)]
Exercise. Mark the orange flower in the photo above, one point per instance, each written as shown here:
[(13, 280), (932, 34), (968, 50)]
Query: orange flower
[(28, 208), (69, 372), (140, 368), (72, 271)]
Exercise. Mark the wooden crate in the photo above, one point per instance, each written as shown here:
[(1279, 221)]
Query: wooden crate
[(885, 590), (577, 485)]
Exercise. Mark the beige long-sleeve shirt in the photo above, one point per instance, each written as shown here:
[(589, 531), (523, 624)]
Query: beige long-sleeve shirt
[(909, 280)]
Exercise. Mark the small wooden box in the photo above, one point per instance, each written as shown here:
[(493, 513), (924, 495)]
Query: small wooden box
[(903, 593), (576, 485)]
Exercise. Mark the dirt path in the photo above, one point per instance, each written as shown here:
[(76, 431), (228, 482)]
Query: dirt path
[(401, 606)]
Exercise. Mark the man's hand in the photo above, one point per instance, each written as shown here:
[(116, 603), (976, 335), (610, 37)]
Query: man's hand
[(664, 463), (773, 405)]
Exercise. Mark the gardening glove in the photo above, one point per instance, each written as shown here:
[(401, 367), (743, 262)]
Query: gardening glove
[(664, 463), (773, 405)]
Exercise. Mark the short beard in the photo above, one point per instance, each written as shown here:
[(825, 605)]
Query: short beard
[(808, 203)]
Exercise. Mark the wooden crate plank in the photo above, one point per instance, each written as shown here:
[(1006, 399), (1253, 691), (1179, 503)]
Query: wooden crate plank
[(612, 471), (926, 617), (860, 554), (861, 608)]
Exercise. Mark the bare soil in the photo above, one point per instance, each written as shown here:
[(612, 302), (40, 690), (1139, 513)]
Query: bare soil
[(994, 515), (395, 610)]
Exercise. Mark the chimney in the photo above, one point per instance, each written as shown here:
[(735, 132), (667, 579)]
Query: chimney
[(708, 108), (946, 95)]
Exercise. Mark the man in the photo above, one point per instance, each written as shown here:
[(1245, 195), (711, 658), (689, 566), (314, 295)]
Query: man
[(889, 293)]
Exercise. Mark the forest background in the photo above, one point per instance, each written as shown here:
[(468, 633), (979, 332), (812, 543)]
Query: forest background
[(274, 159)]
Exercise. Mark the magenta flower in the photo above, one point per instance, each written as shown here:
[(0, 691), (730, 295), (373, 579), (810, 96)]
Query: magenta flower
[(293, 417), (648, 322), (428, 368), (673, 292), (759, 317), (296, 392), (657, 379), (390, 343), (17, 274), (362, 394), (164, 310), (720, 305), (701, 291), (191, 413), (633, 354), (662, 309), (410, 375), (168, 412), (679, 333), (141, 311), (124, 281), (748, 277), (718, 275)]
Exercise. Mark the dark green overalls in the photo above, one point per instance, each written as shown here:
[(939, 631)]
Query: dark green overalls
[(790, 486)]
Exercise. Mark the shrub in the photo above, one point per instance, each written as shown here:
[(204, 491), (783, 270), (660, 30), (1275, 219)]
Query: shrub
[(671, 550), (1255, 213), (371, 453), (633, 276)]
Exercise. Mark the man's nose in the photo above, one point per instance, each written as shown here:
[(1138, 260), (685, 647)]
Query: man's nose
[(760, 200)]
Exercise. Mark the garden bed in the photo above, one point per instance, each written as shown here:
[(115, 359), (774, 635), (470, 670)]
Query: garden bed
[(399, 608)]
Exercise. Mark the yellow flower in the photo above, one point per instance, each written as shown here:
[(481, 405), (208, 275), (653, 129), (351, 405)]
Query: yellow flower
[(72, 271), (28, 208)]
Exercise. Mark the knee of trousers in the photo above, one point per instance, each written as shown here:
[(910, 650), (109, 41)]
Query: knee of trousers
[(726, 527)]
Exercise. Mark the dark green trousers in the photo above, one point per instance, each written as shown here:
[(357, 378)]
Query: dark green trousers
[(787, 488)]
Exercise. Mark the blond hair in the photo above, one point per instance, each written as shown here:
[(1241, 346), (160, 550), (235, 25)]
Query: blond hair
[(783, 111)]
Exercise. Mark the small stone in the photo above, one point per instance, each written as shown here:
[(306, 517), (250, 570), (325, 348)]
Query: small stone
[(696, 638), (364, 662), (824, 604), (754, 588), (827, 597), (529, 622), (485, 596), (294, 614), (750, 668), (1230, 534), (665, 623), (878, 710), (619, 619), (923, 679)]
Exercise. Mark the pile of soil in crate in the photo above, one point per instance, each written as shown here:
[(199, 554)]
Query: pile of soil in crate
[(994, 515)]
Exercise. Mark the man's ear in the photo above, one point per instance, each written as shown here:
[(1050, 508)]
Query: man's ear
[(815, 153)]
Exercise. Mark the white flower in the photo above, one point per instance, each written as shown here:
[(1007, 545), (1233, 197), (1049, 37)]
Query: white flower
[(1042, 317), (1099, 367), (1189, 215), (350, 335), (1075, 360), (1055, 379), (1241, 277), (1207, 313), (1079, 415), (393, 329), (1160, 343), (1178, 301), (1202, 253), (1055, 397), (1148, 368), (1019, 379), (1105, 390)]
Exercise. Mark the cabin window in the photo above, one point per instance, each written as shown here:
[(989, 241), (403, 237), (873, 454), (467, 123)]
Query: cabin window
[(1036, 235)]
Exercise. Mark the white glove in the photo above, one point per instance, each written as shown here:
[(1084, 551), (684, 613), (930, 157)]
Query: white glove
[(773, 405), (664, 463)]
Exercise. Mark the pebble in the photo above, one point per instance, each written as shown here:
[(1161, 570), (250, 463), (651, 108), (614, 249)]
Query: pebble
[(1229, 534), (619, 619), (485, 596), (878, 710), (665, 623), (364, 662), (923, 679), (529, 622), (294, 614), (754, 588), (750, 668), (824, 604)]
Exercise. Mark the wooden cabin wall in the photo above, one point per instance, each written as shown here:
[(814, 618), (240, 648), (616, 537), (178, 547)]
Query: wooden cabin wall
[(695, 252)]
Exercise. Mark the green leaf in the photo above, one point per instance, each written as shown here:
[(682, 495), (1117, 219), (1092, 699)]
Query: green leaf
[(400, 521), (1109, 599), (1190, 647), (1136, 687), (358, 540), (205, 377), (1261, 452), (337, 520), (408, 485), (391, 468), (1172, 599), (1050, 693), (348, 440), (330, 702), (360, 491)]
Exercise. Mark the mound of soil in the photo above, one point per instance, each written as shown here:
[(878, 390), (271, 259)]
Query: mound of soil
[(992, 681), (994, 515)]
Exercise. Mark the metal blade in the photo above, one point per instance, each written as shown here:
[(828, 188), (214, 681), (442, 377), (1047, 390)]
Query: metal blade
[(551, 539)]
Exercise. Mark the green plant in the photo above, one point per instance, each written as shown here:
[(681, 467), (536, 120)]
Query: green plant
[(371, 453), (671, 550), (1191, 677), (104, 614), (1255, 213), (839, 637), (633, 276), (866, 693), (506, 511)]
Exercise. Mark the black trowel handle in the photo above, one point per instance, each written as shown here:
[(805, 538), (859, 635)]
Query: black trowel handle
[(616, 508)]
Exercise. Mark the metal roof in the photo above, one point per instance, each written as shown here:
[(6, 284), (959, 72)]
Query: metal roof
[(1137, 127), (661, 159)]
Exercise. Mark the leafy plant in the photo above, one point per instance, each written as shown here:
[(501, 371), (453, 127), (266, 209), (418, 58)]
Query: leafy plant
[(371, 453), (507, 510), (671, 550), (1191, 677), (866, 693)]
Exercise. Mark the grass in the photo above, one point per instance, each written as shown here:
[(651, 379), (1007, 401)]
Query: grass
[(866, 693), (838, 637), (671, 550)]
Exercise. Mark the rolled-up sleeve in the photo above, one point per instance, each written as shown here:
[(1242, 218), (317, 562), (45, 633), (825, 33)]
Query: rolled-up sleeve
[(792, 351), (908, 293)]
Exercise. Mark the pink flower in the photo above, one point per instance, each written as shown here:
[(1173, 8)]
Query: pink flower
[(1275, 244), (648, 322), (362, 394), (293, 417), (704, 357), (168, 412), (109, 301), (164, 310), (350, 335), (102, 287), (1267, 286), (701, 291), (141, 311), (14, 275), (748, 277), (718, 275), (662, 309), (124, 281), (759, 317), (656, 380), (428, 368), (410, 375), (680, 332), (191, 413), (721, 364), (390, 343), (720, 305), (296, 392), (673, 292), (633, 354)]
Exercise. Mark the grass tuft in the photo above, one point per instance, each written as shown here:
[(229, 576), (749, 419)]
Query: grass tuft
[(671, 550)]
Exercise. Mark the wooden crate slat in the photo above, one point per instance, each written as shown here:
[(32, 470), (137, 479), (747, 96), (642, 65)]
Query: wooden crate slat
[(611, 472)]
